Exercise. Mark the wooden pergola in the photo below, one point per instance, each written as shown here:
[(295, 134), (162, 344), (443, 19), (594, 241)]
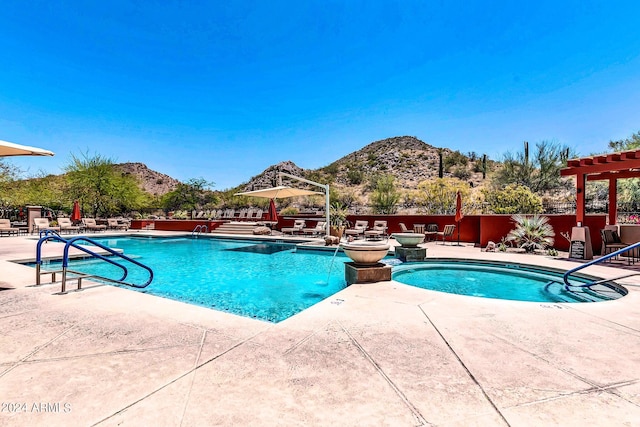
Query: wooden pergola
[(610, 167)]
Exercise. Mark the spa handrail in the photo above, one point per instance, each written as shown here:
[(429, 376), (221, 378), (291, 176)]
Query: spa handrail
[(198, 229), (566, 275)]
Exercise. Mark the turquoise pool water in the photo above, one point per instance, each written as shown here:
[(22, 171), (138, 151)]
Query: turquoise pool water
[(501, 281), (263, 280)]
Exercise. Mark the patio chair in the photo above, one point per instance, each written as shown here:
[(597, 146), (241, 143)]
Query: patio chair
[(431, 232), (40, 224), (298, 225), (378, 230), (5, 228), (611, 241), (447, 232), (318, 230), (114, 224), (358, 229), (403, 228), (66, 225), (91, 225)]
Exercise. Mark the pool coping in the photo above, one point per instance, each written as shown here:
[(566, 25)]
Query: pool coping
[(376, 354)]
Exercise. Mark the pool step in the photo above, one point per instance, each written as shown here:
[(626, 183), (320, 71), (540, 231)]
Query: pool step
[(235, 228)]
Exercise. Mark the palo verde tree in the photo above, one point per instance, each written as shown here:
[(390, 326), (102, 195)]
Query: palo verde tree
[(539, 172), (385, 196), (438, 196), (513, 199), (102, 189), (194, 194)]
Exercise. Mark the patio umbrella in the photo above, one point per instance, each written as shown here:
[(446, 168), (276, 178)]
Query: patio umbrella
[(459, 214), (76, 216), (272, 214), (10, 149), (279, 192)]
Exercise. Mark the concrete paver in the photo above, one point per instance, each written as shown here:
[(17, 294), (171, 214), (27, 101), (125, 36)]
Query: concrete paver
[(377, 354)]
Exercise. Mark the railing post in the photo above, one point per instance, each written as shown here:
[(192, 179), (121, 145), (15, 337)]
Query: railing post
[(64, 280)]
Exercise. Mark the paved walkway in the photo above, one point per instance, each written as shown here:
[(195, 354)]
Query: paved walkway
[(379, 354)]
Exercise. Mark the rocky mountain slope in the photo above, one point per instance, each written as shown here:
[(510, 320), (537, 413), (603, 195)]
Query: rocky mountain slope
[(152, 182)]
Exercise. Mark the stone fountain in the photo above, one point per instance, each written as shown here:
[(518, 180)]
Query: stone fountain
[(366, 266), (409, 251)]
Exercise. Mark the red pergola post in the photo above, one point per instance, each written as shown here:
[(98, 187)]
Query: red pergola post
[(613, 201), (581, 180)]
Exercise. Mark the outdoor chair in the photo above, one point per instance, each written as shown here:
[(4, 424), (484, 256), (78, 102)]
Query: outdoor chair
[(114, 224), (611, 241), (298, 225), (91, 225), (358, 229), (66, 225), (318, 230), (378, 230), (431, 232), (40, 224), (446, 233), (403, 228), (5, 228)]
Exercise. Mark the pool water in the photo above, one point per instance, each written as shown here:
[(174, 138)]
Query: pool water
[(264, 280), (500, 281)]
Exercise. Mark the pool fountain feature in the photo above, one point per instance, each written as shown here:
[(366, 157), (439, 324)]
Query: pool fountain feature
[(408, 251), (366, 266)]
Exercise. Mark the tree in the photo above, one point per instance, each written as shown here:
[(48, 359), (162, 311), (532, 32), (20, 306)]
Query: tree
[(631, 143), (513, 199), (438, 196), (532, 232), (385, 196), (101, 188), (190, 195), (540, 173)]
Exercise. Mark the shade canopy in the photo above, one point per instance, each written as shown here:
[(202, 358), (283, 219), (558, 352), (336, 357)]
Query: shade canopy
[(279, 192), (10, 149)]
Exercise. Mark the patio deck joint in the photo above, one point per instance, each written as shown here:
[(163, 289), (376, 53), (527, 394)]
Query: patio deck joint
[(464, 366)]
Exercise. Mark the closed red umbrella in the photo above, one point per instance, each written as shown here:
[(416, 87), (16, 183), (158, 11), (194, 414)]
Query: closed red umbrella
[(272, 214), (459, 214), (76, 216)]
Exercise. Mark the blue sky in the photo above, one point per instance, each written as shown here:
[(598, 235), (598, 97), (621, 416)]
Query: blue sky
[(223, 89)]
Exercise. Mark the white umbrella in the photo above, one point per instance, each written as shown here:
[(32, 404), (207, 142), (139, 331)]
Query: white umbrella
[(279, 192), (10, 149)]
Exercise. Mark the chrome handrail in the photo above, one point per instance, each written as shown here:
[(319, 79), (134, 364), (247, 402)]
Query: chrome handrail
[(52, 235), (566, 275), (198, 230)]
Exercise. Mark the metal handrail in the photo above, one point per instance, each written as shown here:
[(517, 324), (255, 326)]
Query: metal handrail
[(198, 229), (566, 275), (52, 235)]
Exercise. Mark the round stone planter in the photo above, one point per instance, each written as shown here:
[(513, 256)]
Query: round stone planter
[(365, 253), (408, 240)]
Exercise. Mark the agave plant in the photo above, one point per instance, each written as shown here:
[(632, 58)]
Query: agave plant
[(531, 232)]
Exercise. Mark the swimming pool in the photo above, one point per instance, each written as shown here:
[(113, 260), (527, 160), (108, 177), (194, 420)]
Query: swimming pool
[(261, 279), (508, 281)]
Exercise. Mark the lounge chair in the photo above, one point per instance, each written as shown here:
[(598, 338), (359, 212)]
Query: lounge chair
[(378, 230), (298, 225), (257, 215), (113, 224), (403, 228), (318, 230), (40, 224), (6, 228), (66, 225), (90, 224), (358, 229), (447, 232)]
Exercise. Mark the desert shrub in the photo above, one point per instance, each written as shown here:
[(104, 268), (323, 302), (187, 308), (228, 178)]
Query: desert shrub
[(531, 232), (513, 199)]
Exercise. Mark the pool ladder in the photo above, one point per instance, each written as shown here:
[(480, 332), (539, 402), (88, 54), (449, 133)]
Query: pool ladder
[(47, 235), (198, 230)]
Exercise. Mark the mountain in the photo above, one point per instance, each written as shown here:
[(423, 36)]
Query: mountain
[(407, 158), (152, 182)]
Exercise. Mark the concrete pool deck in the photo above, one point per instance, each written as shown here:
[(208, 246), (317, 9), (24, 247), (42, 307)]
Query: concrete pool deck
[(373, 354)]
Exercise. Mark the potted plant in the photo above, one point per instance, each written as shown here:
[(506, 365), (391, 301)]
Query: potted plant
[(338, 220)]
